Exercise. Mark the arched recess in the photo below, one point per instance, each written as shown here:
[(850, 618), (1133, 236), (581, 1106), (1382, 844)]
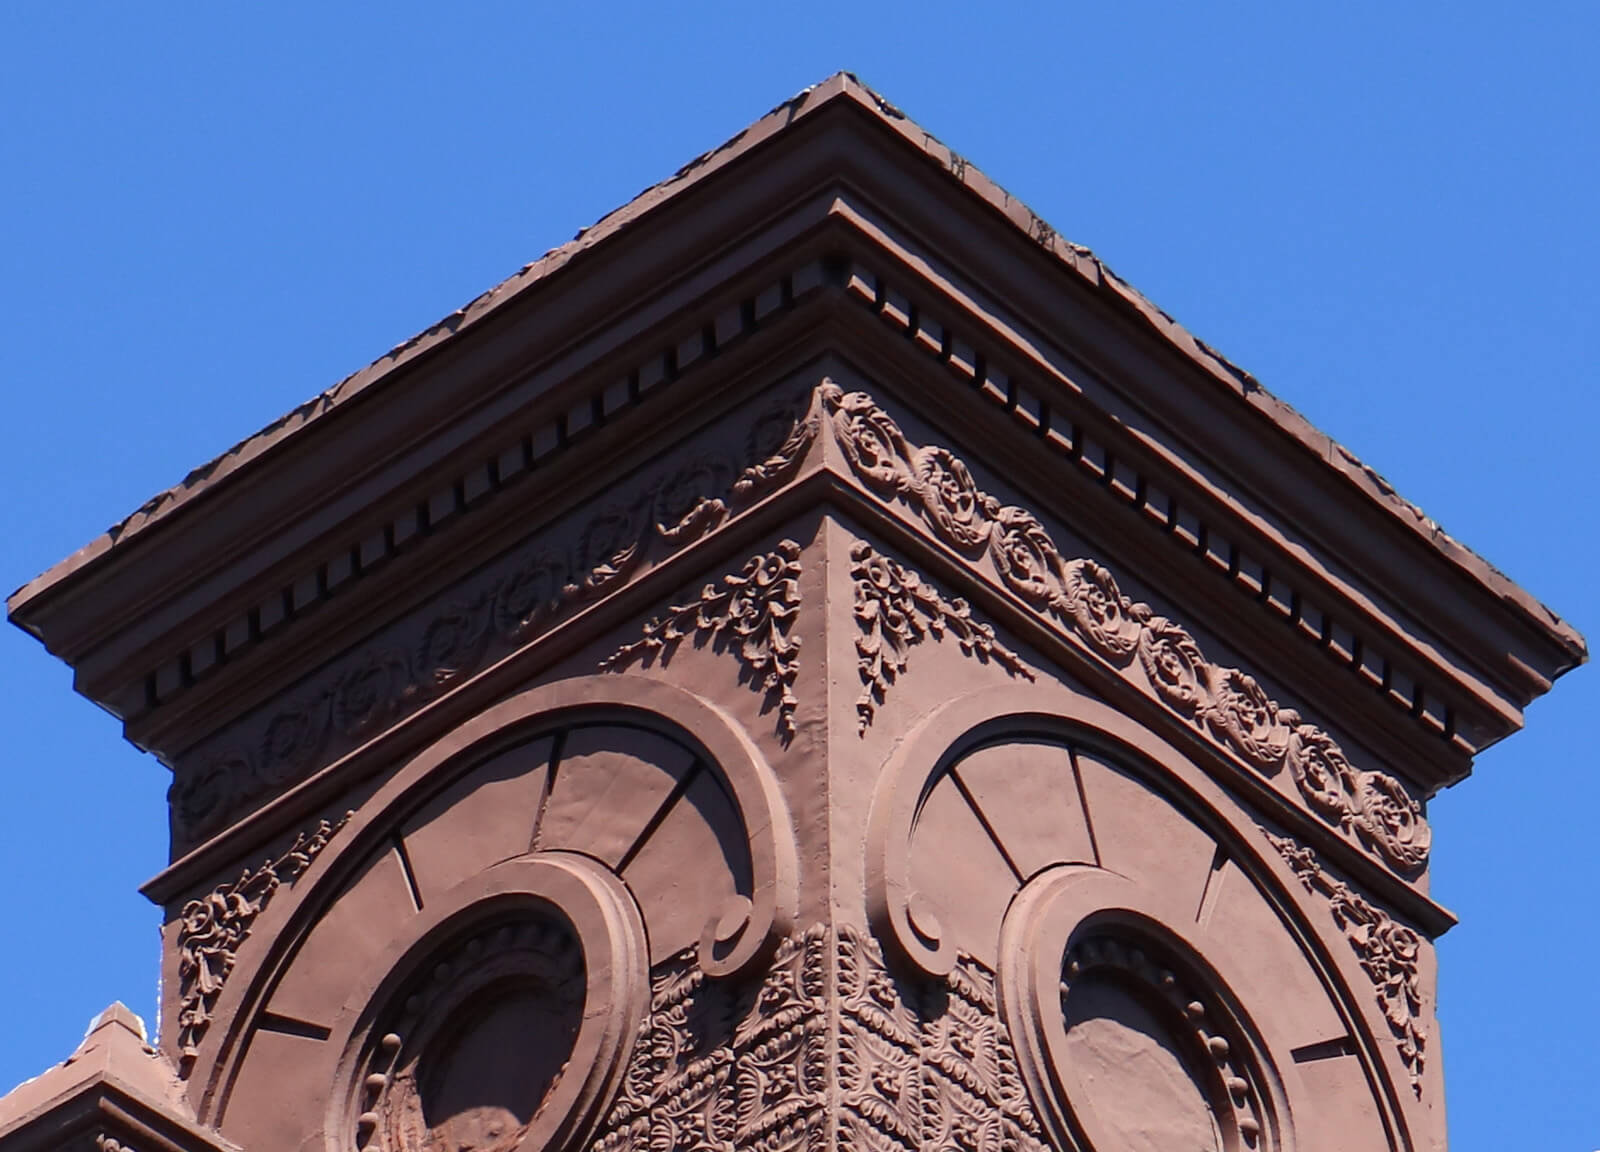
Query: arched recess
[(1165, 978), (518, 877)]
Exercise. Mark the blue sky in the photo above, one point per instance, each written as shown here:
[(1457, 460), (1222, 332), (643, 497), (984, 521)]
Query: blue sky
[(1386, 213)]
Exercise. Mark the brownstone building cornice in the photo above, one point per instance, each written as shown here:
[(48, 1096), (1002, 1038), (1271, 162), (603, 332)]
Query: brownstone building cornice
[(260, 552)]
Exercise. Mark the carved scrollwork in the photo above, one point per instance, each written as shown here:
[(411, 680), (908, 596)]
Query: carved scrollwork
[(1082, 595), (516, 601), (1387, 952), (753, 612), (211, 929), (895, 610)]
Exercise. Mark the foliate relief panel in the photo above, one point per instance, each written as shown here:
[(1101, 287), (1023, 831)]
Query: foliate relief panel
[(1159, 991)]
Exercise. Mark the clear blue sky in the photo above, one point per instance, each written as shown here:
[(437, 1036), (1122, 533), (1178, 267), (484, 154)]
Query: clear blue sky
[(1386, 212)]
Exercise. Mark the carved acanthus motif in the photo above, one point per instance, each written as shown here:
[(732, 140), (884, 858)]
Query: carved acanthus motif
[(516, 601), (896, 609), (920, 1068), (211, 929), (1387, 952), (753, 612), (926, 1067), (718, 1068), (1083, 597)]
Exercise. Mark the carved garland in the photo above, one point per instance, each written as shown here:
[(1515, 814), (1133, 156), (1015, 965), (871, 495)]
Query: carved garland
[(1083, 596), (1387, 952), (383, 682), (753, 612), (896, 609), (211, 929)]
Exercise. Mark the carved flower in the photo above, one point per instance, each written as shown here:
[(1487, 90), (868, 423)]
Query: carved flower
[(291, 741), (368, 691), (778, 440), (1174, 664), (951, 502), (452, 641), (1026, 557), (201, 798), (1392, 820), (1322, 773), (872, 442), (533, 589), (686, 506), (606, 551), (1241, 713), (1100, 610)]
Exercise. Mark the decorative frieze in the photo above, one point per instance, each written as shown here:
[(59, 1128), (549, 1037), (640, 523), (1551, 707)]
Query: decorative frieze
[(895, 610), (511, 603), (211, 929), (752, 613), (1388, 952), (1081, 596)]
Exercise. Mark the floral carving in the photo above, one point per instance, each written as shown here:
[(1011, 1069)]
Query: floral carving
[(211, 928), (520, 599), (907, 1066), (896, 610), (1082, 596), (720, 1067), (1387, 951), (754, 612)]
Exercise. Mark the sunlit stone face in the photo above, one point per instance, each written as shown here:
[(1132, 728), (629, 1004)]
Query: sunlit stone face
[(1134, 1087)]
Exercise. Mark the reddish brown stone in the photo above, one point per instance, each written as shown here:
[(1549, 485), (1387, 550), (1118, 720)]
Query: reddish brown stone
[(815, 661)]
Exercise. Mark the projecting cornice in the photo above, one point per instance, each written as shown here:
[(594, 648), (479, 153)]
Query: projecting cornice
[(832, 222)]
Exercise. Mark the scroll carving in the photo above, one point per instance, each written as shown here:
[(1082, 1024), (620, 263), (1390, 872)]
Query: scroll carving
[(752, 612), (896, 609), (517, 600), (211, 929), (1387, 952), (1082, 596)]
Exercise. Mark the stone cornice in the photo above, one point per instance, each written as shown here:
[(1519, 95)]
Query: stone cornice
[(795, 481), (837, 168)]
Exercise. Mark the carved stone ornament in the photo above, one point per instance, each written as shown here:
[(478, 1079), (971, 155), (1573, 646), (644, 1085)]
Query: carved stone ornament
[(912, 1067), (211, 929), (509, 605), (1387, 952), (1082, 595), (896, 609), (753, 613)]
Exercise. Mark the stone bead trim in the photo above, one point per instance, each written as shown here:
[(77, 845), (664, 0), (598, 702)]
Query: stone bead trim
[(1081, 596)]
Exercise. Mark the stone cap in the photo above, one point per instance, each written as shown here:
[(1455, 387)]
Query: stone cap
[(114, 1088)]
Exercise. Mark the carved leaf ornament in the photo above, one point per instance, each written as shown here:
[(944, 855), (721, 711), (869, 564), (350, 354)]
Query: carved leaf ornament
[(1083, 596), (753, 611), (1386, 950), (212, 927)]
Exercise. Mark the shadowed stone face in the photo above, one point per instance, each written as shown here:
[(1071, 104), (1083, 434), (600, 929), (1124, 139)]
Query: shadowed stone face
[(1141, 1091), (488, 1078)]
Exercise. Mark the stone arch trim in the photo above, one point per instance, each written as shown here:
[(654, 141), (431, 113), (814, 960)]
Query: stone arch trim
[(912, 927), (734, 940)]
